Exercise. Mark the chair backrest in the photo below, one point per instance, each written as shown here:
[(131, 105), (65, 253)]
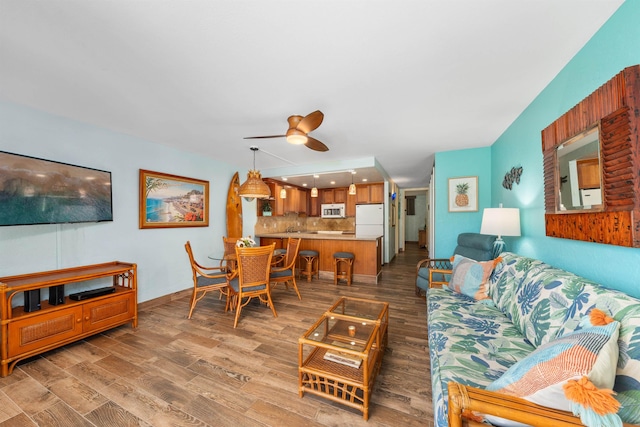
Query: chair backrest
[(293, 246), (229, 244), (475, 246), (192, 260), (254, 265)]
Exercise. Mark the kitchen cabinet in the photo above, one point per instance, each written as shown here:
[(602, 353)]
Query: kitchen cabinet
[(369, 193), (314, 205), (279, 241), (296, 201), (350, 207), (26, 334), (588, 173), (333, 195)]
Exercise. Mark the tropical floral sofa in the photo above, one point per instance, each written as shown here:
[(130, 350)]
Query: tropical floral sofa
[(473, 343)]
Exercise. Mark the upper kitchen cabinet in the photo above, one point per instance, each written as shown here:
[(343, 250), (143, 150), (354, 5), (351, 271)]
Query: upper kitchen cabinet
[(369, 193), (297, 200), (333, 195)]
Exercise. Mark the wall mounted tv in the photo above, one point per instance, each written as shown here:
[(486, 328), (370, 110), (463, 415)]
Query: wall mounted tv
[(38, 191)]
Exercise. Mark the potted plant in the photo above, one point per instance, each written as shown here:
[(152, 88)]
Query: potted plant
[(266, 208)]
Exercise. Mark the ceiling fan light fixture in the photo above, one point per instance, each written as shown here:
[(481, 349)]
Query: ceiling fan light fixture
[(296, 137)]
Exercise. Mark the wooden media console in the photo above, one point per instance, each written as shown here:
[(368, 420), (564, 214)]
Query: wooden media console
[(28, 333)]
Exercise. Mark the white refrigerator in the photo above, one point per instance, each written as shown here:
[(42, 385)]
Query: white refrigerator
[(370, 220)]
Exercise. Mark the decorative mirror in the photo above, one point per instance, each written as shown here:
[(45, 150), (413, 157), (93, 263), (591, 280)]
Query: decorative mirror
[(591, 188), (580, 186)]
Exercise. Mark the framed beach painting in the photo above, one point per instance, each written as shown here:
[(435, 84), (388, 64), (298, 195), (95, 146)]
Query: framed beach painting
[(463, 194), (172, 201)]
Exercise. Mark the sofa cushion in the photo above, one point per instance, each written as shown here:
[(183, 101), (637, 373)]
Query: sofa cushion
[(470, 277), (470, 343), (475, 246), (577, 361), (545, 302)]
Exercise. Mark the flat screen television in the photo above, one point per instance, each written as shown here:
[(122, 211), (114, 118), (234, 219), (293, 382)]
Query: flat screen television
[(38, 191)]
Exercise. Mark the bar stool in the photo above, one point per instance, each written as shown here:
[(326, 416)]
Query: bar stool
[(311, 267), (346, 259)]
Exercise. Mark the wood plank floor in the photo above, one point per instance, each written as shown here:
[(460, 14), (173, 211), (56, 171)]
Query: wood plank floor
[(172, 371)]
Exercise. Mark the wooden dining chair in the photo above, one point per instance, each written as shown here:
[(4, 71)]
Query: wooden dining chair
[(228, 261), (287, 273), (206, 279), (251, 278)]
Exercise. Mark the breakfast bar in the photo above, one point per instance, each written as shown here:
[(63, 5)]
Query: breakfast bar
[(367, 250)]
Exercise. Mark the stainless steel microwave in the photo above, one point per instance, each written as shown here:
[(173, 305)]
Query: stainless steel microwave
[(332, 210)]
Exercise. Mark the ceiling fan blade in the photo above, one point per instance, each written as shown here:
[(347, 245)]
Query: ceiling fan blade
[(311, 121), (263, 137), (316, 145)]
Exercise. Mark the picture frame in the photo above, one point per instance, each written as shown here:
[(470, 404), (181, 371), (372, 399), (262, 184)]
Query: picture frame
[(168, 201), (463, 194), (37, 191)]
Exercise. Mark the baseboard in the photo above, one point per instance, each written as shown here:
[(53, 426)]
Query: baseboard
[(164, 299)]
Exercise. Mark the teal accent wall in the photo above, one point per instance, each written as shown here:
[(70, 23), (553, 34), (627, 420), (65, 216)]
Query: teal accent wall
[(454, 164), (615, 46)]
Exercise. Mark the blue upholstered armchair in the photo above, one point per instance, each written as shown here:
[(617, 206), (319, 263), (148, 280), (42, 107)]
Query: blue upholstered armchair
[(471, 245)]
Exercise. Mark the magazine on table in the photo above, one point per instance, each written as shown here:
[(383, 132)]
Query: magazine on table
[(342, 357)]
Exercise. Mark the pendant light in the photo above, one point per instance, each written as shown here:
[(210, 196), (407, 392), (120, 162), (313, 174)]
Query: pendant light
[(314, 190), (352, 187), (283, 193), (254, 186)]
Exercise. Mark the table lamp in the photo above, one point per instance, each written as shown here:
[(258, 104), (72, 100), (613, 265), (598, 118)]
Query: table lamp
[(500, 222)]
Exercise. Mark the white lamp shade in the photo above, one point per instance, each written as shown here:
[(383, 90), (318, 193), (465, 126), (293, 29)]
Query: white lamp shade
[(501, 222)]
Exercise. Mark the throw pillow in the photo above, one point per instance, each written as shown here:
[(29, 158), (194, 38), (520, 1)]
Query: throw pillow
[(574, 373), (470, 277)]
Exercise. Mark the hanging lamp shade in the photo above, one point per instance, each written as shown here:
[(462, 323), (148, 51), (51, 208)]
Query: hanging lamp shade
[(314, 190), (352, 187), (254, 186), (283, 193)]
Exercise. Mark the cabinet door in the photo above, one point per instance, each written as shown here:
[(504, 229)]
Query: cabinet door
[(376, 193), (278, 202), (314, 205), (37, 332), (588, 173), (362, 193), (303, 202), (326, 195), (350, 208), (107, 312), (339, 195), (266, 241)]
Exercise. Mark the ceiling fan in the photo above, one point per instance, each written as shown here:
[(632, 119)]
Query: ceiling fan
[(299, 128)]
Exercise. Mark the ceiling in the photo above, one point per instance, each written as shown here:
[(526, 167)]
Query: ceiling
[(397, 80)]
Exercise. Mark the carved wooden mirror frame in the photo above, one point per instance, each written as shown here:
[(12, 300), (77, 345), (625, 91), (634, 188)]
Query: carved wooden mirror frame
[(616, 107)]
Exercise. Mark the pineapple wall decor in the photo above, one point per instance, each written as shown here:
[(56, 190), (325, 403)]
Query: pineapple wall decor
[(463, 194)]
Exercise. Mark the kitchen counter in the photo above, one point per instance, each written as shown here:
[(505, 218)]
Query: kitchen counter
[(318, 236), (367, 265)]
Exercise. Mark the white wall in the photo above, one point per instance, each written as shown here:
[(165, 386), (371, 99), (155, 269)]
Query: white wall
[(163, 266), (416, 222)]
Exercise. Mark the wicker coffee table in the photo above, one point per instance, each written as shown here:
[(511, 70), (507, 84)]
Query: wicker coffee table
[(339, 357)]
